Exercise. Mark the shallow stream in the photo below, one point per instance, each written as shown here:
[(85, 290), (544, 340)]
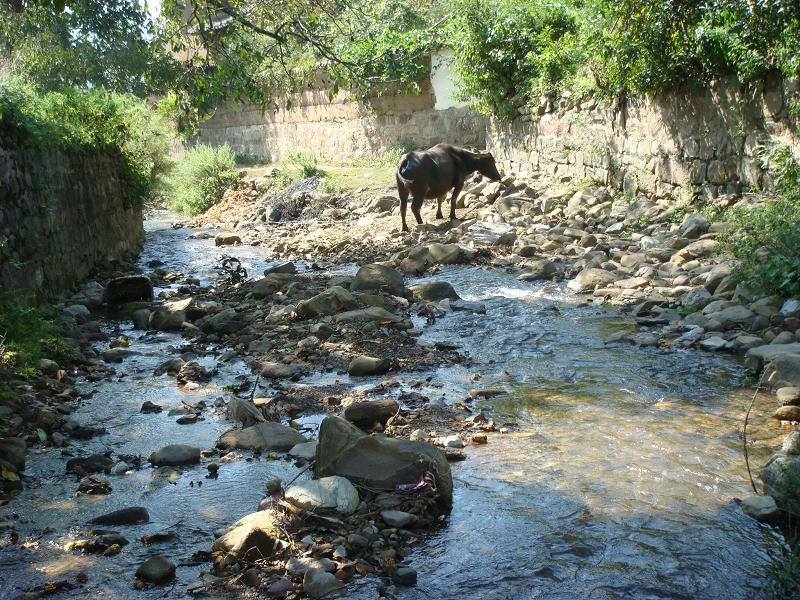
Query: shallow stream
[(616, 479)]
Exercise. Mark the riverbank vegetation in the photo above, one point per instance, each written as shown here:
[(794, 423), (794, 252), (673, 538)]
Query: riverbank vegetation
[(199, 178)]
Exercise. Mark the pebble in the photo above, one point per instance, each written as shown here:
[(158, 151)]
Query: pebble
[(405, 576), (157, 570)]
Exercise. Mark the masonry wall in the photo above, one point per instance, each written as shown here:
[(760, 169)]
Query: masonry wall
[(61, 215), (703, 142), (342, 129)]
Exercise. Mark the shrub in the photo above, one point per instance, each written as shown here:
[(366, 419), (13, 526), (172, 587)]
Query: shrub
[(77, 121), (766, 240), (200, 178), (306, 163)]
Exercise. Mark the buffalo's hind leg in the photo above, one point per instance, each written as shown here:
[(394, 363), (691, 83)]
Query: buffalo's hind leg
[(439, 201), (403, 193), (453, 198), (416, 205)]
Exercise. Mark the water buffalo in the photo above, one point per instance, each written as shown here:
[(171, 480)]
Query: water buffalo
[(431, 173)]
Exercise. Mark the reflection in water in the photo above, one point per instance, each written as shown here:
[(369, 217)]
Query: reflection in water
[(616, 480)]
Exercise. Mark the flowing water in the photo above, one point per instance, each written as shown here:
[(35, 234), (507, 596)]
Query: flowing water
[(616, 480)]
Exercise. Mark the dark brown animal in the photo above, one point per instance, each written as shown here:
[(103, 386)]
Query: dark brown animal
[(432, 173)]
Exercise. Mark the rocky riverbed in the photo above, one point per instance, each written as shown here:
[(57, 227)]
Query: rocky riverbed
[(321, 404)]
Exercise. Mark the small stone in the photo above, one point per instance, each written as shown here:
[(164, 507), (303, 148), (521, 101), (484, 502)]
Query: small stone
[(175, 455), (453, 441), (150, 407), (273, 486), (405, 576), (317, 583), (157, 570), (363, 365), (418, 435), (398, 518), (479, 438)]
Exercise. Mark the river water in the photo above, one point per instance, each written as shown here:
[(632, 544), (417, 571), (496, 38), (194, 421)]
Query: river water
[(616, 480)]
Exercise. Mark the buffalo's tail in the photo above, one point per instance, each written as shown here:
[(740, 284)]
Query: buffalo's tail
[(400, 169)]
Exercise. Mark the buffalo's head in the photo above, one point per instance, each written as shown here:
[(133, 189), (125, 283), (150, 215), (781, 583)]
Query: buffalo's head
[(487, 167)]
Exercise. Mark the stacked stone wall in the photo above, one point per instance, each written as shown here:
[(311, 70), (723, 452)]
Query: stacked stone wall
[(701, 143), (61, 215)]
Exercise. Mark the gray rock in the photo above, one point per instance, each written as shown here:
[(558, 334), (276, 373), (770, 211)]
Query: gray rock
[(362, 366), (265, 288), (244, 411), (783, 371), (132, 515), (116, 355), (405, 576), (157, 570), (787, 413), (13, 450), (373, 313), (398, 518), (757, 357), (791, 443), (366, 414), (761, 508), (698, 297), (274, 370), (435, 291), (175, 455), (379, 277), (781, 477), (85, 465), (252, 537), (540, 269), (327, 492), (305, 450), (317, 583), (170, 315), (329, 302), (287, 267), (78, 310), (791, 308), (141, 318), (227, 239), (264, 436), (788, 395), (129, 289), (299, 566), (734, 316), (589, 279), (379, 462), (226, 321), (486, 233), (91, 295)]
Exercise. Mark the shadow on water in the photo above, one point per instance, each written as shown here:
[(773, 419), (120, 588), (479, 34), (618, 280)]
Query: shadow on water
[(616, 479)]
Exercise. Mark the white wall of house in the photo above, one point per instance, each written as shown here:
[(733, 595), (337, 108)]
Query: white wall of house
[(443, 81)]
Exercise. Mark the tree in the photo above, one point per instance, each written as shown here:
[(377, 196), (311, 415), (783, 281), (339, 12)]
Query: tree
[(262, 51), (112, 44)]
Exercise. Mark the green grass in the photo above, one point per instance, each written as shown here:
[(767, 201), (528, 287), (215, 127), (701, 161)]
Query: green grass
[(29, 334), (200, 178)]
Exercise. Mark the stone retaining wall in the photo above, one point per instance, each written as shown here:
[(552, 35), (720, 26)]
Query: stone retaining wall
[(703, 142), (60, 216), (340, 128)]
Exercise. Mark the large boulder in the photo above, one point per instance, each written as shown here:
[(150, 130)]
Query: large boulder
[(781, 477), (589, 279), (759, 356), (227, 239), (129, 289), (419, 259), (379, 277), (783, 371), (328, 492), (12, 450), (380, 462), (329, 302), (225, 321), (372, 313), (264, 436), (435, 291), (366, 414)]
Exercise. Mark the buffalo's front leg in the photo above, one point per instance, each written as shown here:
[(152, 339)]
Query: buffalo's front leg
[(456, 192), (416, 204), (403, 202)]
